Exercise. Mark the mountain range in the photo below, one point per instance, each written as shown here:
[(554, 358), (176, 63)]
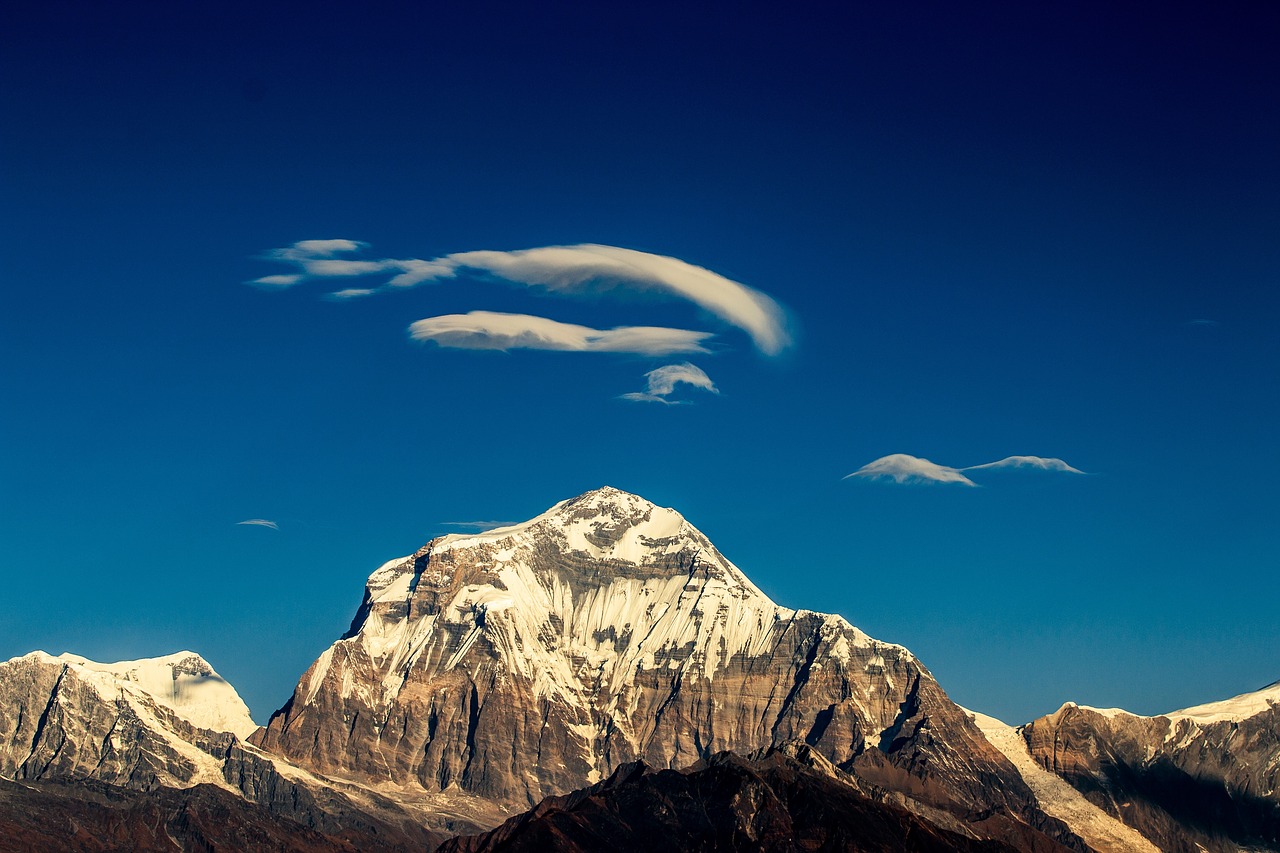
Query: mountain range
[(589, 678)]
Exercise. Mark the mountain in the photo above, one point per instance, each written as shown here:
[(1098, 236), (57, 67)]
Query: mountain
[(598, 677), (160, 722), (526, 661), (1200, 779)]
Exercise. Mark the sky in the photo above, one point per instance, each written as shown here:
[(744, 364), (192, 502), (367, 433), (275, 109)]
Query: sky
[(376, 273)]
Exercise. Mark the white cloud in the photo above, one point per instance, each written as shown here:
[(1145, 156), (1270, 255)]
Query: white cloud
[(306, 249), (331, 267), (573, 269), (260, 522), (583, 268), (902, 468), (478, 525), (278, 280), (662, 381), (350, 293), (1041, 463), (415, 272), (496, 331)]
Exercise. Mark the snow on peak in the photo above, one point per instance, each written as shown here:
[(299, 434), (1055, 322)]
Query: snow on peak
[(606, 583), (183, 682), (604, 523), (1235, 709)]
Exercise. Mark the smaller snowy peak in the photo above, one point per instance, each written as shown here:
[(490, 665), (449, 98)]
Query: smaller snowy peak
[(183, 682)]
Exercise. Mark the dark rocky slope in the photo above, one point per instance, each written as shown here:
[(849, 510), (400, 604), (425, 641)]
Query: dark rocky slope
[(778, 802)]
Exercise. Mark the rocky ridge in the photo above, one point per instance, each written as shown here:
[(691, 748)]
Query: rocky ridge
[(780, 801)]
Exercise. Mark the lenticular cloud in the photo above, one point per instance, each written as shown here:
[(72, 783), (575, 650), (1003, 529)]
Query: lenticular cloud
[(569, 270), (661, 383), (496, 331), (905, 469), (1041, 463)]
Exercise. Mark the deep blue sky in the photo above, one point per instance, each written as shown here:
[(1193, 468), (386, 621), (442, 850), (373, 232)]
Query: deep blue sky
[(992, 230)]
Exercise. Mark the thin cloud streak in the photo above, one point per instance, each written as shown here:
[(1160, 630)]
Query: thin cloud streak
[(259, 522), (568, 270), (1041, 463), (661, 383), (480, 526), (490, 330), (349, 293), (280, 281)]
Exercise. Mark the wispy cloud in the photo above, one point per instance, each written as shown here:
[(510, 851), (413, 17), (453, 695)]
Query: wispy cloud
[(1041, 463), (662, 382), (260, 522), (277, 280), (570, 270), (904, 468), (495, 331), (350, 293), (1207, 323), (479, 525), (305, 250)]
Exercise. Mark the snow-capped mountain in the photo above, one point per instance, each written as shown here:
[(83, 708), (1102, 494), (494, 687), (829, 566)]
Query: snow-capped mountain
[(126, 733), (140, 724), (533, 659), (595, 648)]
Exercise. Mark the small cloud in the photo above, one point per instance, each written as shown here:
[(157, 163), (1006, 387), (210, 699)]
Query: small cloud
[(903, 468), (277, 280), (479, 525), (308, 249), (341, 267), (414, 272), (495, 331), (1037, 462), (662, 382), (350, 293), (1203, 323), (260, 522)]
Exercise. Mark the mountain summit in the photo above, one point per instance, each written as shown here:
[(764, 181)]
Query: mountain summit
[(524, 661)]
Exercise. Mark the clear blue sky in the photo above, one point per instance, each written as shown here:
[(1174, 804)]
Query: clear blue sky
[(994, 231)]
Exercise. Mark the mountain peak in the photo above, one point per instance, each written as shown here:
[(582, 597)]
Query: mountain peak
[(182, 682), (604, 523)]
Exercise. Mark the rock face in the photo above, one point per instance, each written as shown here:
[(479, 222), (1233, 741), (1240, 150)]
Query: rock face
[(778, 803), (529, 660), (1200, 779)]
